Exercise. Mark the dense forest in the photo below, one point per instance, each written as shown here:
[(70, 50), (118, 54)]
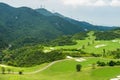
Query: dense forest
[(68, 40), (27, 55), (30, 56), (107, 35)]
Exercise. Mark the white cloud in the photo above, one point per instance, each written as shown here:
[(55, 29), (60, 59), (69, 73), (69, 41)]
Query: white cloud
[(100, 3), (76, 2), (92, 2), (115, 3)]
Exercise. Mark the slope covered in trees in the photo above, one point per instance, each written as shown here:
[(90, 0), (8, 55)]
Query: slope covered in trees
[(23, 26), (30, 56), (108, 35)]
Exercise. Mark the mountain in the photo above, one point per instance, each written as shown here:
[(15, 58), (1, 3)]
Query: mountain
[(84, 25), (44, 12), (25, 25)]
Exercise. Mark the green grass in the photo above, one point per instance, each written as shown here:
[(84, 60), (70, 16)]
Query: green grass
[(110, 45), (26, 69), (65, 70)]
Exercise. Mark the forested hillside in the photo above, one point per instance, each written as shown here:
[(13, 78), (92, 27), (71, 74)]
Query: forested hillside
[(108, 35), (25, 26)]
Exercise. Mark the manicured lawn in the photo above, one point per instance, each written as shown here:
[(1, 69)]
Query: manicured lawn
[(26, 69), (65, 70), (109, 46)]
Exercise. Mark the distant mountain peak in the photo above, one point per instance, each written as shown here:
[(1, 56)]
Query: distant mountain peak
[(5, 5), (44, 12), (58, 14)]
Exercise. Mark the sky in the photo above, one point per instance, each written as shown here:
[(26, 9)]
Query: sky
[(97, 12)]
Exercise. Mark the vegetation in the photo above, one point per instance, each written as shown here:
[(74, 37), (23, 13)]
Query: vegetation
[(78, 67), (115, 54), (3, 70), (66, 70), (110, 63), (107, 35), (24, 26), (3, 44), (32, 39), (30, 56), (20, 72), (61, 41)]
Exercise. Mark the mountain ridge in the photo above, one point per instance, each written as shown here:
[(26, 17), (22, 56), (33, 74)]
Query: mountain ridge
[(24, 24)]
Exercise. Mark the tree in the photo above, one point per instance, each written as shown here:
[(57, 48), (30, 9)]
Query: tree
[(101, 63), (83, 46), (93, 66), (78, 67), (111, 63), (118, 63), (88, 44), (104, 50), (20, 72), (9, 70), (93, 42), (3, 70)]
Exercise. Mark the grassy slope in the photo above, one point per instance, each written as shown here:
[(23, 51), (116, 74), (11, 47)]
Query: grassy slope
[(110, 45), (65, 70), (26, 69)]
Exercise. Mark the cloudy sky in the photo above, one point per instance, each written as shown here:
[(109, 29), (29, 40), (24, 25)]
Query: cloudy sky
[(98, 12)]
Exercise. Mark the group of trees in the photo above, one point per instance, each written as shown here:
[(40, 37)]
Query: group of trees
[(107, 35), (9, 71), (68, 39), (3, 44), (110, 63), (30, 56), (61, 41), (115, 54)]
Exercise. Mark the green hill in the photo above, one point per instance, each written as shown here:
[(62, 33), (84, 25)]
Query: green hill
[(24, 25), (19, 24), (65, 69)]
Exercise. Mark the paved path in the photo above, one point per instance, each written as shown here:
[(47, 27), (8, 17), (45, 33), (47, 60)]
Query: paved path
[(40, 70), (46, 67)]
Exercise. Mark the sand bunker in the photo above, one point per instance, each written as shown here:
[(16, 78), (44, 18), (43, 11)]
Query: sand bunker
[(76, 59), (69, 57), (3, 65), (101, 45), (80, 59), (115, 40)]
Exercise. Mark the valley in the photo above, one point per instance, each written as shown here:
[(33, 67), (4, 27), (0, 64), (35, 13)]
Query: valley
[(36, 44), (65, 69)]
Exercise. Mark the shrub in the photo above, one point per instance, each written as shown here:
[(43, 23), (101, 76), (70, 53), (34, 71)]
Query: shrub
[(118, 63), (3, 70), (78, 67), (101, 63), (112, 63), (20, 72)]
